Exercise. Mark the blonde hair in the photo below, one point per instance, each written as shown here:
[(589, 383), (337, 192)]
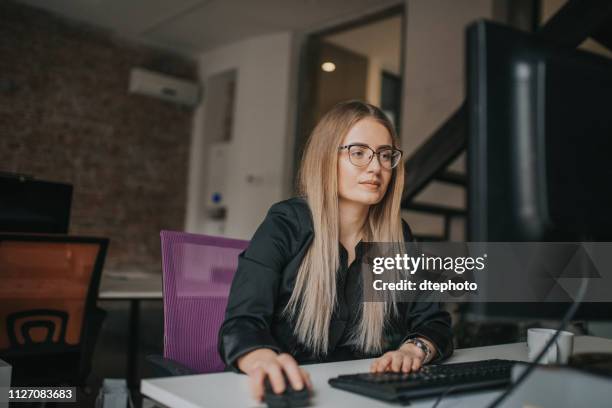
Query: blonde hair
[(313, 299)]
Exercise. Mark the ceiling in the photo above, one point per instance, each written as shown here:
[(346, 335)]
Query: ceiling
[(380, 41), (193, 26)]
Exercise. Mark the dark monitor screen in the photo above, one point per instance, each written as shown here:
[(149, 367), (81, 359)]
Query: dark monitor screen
[(540, 138), (28, 205)]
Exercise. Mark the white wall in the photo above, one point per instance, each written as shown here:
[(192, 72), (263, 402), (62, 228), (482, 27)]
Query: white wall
[(434, 62), (434, 84), (266, 99), (374, 81), (260, 140)]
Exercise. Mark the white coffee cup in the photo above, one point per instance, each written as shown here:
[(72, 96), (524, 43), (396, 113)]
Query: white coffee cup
[(558, 353)]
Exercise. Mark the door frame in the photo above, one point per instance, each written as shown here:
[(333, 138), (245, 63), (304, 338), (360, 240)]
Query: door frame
[(306, 74)]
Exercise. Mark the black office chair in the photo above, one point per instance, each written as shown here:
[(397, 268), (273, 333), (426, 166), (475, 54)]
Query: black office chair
[(48, 315)]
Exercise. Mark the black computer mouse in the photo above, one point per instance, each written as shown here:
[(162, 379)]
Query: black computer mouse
[(290, 398)]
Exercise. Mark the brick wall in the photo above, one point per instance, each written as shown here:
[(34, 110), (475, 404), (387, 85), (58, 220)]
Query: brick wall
[(66, 115)]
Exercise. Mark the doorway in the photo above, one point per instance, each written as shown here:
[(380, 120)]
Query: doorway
[(361, 59)]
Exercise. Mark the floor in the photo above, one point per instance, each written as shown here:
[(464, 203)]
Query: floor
[(110, 356)]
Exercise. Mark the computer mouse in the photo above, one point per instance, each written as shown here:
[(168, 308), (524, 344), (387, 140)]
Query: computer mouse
[(290, 398)]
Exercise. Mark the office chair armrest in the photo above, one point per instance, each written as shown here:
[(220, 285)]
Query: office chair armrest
[(164, 367)]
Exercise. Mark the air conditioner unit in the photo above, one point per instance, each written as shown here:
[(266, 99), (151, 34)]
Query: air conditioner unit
[(164, 87)]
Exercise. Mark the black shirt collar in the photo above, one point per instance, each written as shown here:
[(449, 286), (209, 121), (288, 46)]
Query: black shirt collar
[(344, 252)]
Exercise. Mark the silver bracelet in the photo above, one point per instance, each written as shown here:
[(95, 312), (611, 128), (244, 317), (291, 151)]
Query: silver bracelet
[(423, 346)]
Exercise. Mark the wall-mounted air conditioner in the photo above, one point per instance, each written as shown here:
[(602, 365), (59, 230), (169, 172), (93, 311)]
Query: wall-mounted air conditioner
[(164, 87)]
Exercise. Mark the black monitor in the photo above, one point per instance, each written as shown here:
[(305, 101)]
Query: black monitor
[(29, 205), (539, 147)]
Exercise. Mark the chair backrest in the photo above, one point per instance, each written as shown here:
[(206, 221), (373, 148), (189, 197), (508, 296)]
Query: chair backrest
[(49, 288), (197, 275)]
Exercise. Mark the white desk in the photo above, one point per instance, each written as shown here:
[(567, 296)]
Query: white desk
[(231, 390), (132, 287)]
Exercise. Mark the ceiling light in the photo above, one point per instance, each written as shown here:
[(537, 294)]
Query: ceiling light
[(328, 66)]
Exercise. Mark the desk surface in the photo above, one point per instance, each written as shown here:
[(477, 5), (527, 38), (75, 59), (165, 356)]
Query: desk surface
[(231, 390), (130, 286)]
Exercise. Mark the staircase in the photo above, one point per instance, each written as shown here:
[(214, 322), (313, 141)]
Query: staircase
[(576, 21), (445, 145)]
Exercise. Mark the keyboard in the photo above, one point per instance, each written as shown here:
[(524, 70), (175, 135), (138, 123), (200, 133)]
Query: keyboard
[(430, 381)]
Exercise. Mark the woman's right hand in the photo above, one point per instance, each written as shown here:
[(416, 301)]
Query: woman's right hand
[(263, 362)]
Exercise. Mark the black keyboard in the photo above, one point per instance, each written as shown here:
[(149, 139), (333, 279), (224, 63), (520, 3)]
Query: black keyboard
[(430, 381)]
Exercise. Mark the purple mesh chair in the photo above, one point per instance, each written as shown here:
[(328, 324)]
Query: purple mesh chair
[(197, 274)]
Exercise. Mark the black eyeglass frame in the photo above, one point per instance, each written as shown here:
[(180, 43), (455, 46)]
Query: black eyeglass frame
[(374, 153)]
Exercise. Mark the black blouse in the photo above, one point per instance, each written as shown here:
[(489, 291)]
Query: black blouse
[(265, 279)]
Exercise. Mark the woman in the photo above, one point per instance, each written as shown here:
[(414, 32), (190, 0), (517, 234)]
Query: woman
[(296, 297)]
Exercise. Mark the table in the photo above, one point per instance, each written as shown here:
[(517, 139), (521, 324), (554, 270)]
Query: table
[(132, 287), (231, 390)]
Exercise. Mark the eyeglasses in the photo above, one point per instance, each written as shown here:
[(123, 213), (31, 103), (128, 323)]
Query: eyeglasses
[(361, 155)]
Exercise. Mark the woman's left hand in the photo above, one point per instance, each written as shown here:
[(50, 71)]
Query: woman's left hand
[(405, 359)]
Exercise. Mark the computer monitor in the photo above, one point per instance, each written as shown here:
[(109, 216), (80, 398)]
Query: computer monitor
[(539, 146), (29, 205)]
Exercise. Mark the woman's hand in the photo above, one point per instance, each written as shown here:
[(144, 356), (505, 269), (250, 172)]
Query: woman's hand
[(260, 363), (405, 359)]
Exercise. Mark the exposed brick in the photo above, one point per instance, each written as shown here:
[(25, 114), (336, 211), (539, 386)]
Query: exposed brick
[(70, 118)]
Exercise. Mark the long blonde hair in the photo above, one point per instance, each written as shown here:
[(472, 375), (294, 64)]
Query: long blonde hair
[(313, 299)]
